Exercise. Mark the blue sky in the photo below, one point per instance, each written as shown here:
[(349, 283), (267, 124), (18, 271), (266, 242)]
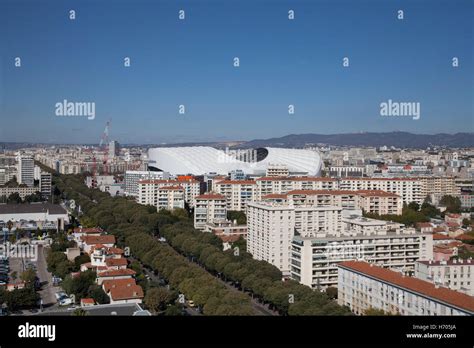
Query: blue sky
[(190, 62)]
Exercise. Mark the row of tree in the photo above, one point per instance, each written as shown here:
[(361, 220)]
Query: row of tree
[(137, 226), (134, 225)]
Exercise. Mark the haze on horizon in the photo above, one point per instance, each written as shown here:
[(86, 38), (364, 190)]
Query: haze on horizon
[(190, 62)]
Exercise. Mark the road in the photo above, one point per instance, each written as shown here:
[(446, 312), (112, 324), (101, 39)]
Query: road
[(47, 289)]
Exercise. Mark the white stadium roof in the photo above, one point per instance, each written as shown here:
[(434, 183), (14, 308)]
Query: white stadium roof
[(198, 160)]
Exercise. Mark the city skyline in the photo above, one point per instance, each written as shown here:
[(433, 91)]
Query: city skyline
[(282, 62)]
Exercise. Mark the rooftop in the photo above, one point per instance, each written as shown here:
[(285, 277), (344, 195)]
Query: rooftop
[(451, 297), (31, 208)]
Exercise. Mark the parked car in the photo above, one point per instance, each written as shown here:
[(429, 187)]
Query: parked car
[(65, 301)]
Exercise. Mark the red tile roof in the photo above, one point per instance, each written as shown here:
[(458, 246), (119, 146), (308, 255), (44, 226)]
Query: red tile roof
[(438, 236), (117, 273), (87, 300), (114, 283), (110, 262), (126, 292), (422, 287), (104, 239)]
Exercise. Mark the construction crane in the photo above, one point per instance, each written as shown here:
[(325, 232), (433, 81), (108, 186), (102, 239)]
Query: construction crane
[(104, 141)]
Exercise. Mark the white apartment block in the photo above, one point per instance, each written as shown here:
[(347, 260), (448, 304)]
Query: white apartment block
[(277, 170), (170, 197), (439, 186), (210, 208), (314, 261), (45, 184), (379, 202), (281, 185), (362, 286), (454, 274), (238, 193), (132, 177), (410, 190), (272, 226), (26, 170), (148, 190)]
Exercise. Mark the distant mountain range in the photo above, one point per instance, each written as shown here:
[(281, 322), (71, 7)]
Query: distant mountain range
[(396, 139)]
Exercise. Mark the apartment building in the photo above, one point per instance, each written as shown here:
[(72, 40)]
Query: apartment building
[(279, 185), (238, 193), (132, 177), (314, 260), (439, 186), (148, 190), (409, 189), (45, 184), (362, 286), (210, 208), (170, 197), (277, 170), (378, 202), (272, 226), (453, 274), (26, 170), (22, 191)]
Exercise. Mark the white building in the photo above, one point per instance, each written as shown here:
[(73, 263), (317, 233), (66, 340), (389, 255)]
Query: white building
[(210, 208), (362, 286), (148, 190), (132, 177), (454, 274), (410, 190), (271, 227), (198, 160), (170, 197), (45, 184), (238, 193), (26, 170)]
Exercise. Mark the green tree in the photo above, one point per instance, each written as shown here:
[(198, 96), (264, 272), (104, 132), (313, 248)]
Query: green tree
[(156, 299)]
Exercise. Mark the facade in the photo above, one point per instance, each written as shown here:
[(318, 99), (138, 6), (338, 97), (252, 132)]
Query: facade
[(45, 184), (410, 190), (271, 227), (22, 191), (238, 193), (132, 177), (170, 197), (314, 261), (281, 185), (199, 160), (148, 190), (378, 202), (210, 208), (277, 170), (26, 170), (453, 274), (439, 186), (362, 286), (41, 213)]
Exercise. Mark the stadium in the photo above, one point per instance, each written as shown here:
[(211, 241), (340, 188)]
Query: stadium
[(199, 160)]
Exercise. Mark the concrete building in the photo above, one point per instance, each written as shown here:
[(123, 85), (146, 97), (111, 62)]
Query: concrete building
[(45, 184), (277, 170), (314, 261), (362, 286), (238, 193), (132, 177), (26, 170), (454, 274), (148, 190), (271, 227), (170, 197), (409, 189), (210, 208)]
